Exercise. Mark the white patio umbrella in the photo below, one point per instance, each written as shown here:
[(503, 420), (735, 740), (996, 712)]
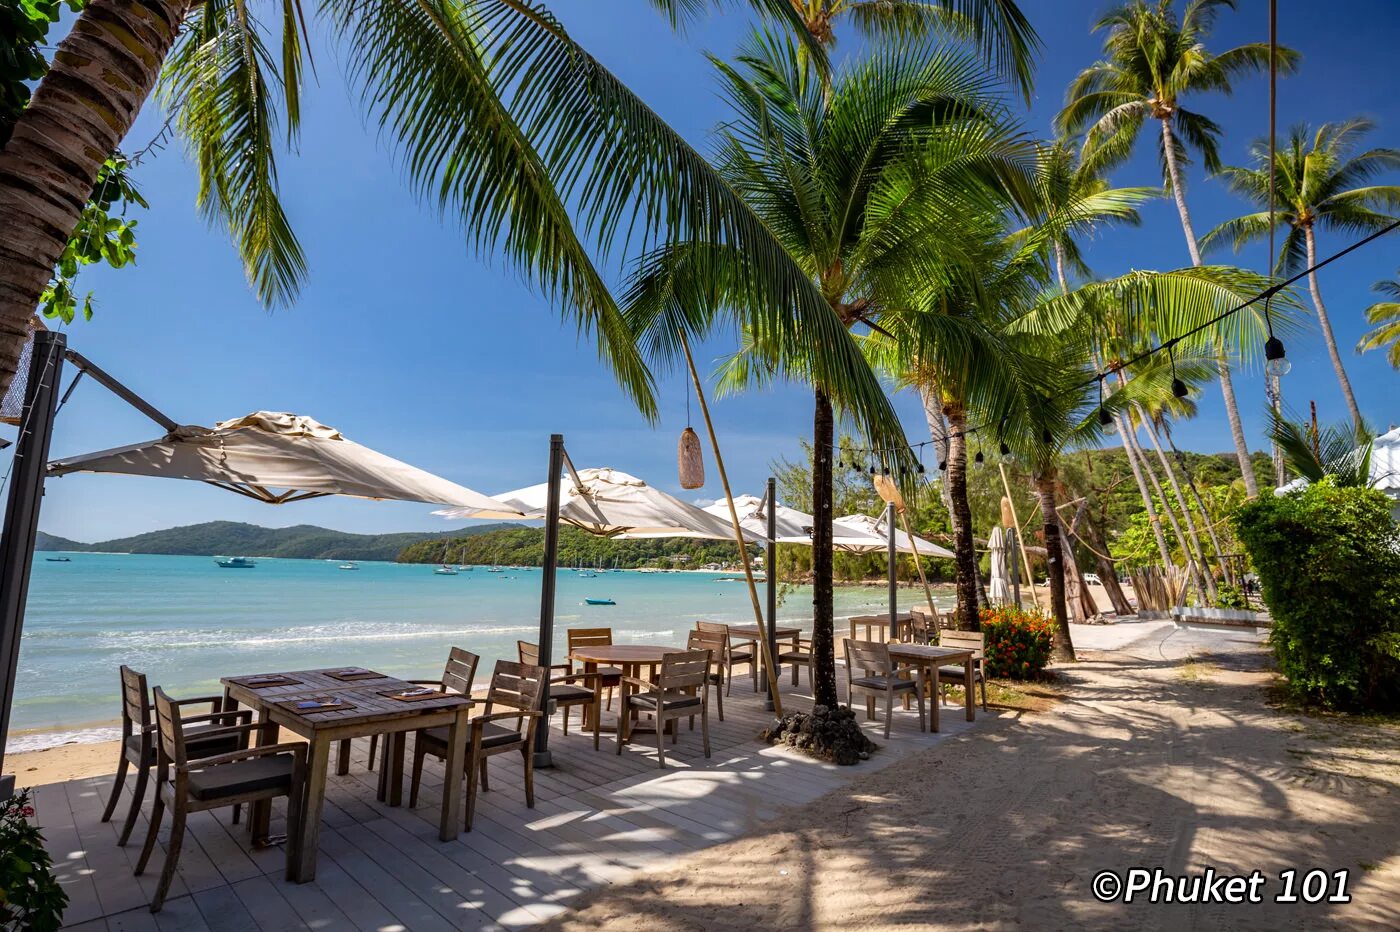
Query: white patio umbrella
[(276, 457), (999, 587), (864, 534)]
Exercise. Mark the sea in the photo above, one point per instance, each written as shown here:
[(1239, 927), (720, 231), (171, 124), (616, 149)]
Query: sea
[(185, 622)]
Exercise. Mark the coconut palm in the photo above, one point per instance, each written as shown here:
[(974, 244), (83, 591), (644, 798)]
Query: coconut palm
[(1384, 317), (1341, 452), (1152, 59), (864, 181), (1319, 180), (499, 117)]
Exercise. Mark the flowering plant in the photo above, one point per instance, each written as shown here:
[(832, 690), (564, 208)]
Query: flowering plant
[(30, 897), (1017, 642)]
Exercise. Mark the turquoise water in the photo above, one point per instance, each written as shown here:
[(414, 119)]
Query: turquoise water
[(186, 622)]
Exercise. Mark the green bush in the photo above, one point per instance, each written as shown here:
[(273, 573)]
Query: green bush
[(1017, 642), (1328, 561), (1228, 596), (30, 898)]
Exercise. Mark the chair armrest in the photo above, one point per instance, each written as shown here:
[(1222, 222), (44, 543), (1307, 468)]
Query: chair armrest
[(442, 687), (246, 715), (216, 701), (497, 716), (645, 685), (230, 729), (586, 677), (297, 750)]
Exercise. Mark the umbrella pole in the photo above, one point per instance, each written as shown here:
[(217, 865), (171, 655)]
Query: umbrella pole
[(551, 563), (770, 565), (768, 667), (1020, 538), (919, 565), (892, 567)]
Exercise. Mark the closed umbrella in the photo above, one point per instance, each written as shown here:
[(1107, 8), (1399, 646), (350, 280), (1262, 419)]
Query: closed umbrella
[(277, 458), (999, 589)]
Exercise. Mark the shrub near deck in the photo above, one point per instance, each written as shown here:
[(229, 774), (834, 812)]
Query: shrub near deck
[(1328, 561), (1018, 642)]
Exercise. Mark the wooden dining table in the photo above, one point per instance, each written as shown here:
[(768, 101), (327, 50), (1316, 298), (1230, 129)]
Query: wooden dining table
[(927, 657), (629, 658), (368, 708)]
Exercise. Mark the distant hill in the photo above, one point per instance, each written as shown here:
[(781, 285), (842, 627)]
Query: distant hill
[(231, 538)]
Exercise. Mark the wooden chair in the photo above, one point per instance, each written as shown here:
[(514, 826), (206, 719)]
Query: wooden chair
[(682, 685), (954, 673), (186, 785), (564, 691), (457, 677), (714, 643), (611, 677), (516, 687), (798, 654), (878, 676), (923, 627), (140, 743), (730, 657)]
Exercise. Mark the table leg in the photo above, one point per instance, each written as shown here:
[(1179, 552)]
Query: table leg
[(395, 768), (452, 779), (260, 812), (935, 699), (318, 764), (342, 762), (970, 690), (589, 710)]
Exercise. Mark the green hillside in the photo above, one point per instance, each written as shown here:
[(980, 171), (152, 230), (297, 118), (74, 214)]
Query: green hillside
[(304, 541), (510, 545)]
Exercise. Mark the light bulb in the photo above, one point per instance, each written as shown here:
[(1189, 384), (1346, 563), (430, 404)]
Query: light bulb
[(1179, 388), (1277, 364)]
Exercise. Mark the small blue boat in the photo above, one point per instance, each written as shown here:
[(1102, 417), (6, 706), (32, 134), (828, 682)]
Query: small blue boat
[(235, 563), (599, 602)]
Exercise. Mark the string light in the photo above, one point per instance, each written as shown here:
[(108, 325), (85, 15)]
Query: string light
[(1178, 386)]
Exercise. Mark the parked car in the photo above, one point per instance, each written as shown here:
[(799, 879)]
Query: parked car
[(1092, 579)]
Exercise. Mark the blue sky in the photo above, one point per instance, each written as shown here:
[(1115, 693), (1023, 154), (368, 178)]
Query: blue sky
[(410, 343)]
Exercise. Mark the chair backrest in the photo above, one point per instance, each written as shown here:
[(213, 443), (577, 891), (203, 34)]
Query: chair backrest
[(516, 686), (172, 733), (589, 637), (684, 670), (136, 702), (529, 653), (963, 640), (870, 656), (720, 630), (711, 641), (460, 671)]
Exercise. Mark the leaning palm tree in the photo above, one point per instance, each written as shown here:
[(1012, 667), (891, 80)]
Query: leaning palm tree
[(499, 117), (863, 180), (1318, 180), (1341, 453), (1152, 59), (1384, 318)]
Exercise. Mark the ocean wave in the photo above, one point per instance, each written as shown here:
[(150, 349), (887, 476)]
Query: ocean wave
[(42, 740)]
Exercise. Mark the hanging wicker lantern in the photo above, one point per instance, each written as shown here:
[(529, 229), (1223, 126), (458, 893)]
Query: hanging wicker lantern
[(888, 491), (690, 460), (1007, 518)]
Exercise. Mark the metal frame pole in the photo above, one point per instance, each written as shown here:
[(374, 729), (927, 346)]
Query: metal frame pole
[(893, 569), (770, 564), (21, 521), (550, 568)]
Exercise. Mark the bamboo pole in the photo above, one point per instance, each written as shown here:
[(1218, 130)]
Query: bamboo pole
[(919, 565), (770, 670), (1020, 538)]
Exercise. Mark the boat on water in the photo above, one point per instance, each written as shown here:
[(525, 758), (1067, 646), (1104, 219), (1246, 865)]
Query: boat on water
[(465, 569), (493, 569), (235, 563), (599, 602), (350, 566), (58, 559), (587, 575), (444, 570)]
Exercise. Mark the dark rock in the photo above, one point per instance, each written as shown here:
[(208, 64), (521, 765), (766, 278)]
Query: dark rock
[(825, 733)]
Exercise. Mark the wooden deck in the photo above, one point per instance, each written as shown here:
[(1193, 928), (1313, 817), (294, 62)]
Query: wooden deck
[(598, 817)]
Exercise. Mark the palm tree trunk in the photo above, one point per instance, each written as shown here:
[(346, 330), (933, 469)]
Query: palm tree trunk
[(1199, 555), (1167, 509), (823, 609), (964, 550), (102, 73), (1154, 519), (1326, 324), (1222, 362), (1094, 540), (937, 428), (1274, 389), (1226, 573), (1054, 558)]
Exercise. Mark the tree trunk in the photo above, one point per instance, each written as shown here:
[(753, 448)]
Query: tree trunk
[(1167, 509), (1185, 468), (102, 73), (1222, 363), (931, 397), (1326, 324), (1081, 601), (823, 610), (965, 552), (1093, 537), (1274, 389), (1198, 552), (1154, 519), (1055, 564)]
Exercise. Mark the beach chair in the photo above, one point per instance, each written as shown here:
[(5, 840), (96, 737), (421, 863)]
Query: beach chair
[(185, 785), (714, 643), (457, 677), (594, 637), (731, 656), (565, 691), (871, 670), (678, 691), (954, 673), (139, 746), (516, 689)]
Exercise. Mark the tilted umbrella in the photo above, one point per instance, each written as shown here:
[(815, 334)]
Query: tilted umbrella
[(278, 458), (864, 534)]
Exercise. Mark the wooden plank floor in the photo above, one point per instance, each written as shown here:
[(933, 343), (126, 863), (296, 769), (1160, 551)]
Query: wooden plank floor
[(599, 817)]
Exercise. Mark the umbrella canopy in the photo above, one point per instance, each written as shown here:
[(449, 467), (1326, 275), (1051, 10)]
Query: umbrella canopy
[(864, 534), (999, 587), (753, 518), (611, 503), (278, 458)]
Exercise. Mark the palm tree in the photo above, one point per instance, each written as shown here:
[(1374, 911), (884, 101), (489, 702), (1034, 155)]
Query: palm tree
[(1341, 453), (500, 118), (1318, 180), (1151, 60), (863, 180), (1384, 316)]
